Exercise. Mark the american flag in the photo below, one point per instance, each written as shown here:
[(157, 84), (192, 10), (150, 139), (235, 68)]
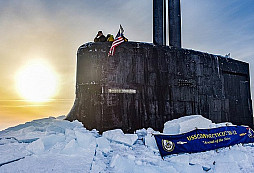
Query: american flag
[(118, 40)]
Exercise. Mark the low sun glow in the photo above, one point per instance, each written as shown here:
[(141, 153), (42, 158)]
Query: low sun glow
[(36, 82)]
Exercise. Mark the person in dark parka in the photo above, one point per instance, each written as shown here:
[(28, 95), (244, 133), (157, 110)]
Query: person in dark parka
[(100, 37)]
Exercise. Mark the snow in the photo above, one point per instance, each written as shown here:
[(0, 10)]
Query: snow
[(117, 135), (56, 145), (186, 124)]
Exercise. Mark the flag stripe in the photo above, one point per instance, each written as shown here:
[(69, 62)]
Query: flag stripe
[(118, 40)]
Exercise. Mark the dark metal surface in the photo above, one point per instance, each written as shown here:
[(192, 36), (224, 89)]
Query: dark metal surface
[(158, 24), (168, 83), (174, 12)]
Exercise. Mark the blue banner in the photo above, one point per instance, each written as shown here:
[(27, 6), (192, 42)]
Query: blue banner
[(203, 139)]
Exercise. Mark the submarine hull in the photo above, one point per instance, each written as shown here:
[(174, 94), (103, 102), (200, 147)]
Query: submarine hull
[(144, 85)]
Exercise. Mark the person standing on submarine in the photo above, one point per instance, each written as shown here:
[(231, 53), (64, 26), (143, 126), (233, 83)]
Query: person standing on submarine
[(100, 37)]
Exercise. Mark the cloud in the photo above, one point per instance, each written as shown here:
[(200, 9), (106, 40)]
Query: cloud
[(53, 30)]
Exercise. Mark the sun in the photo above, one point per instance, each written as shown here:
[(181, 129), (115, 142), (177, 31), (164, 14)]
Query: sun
[(36, 82)]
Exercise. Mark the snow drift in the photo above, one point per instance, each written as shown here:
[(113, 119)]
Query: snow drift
[(55, 145)]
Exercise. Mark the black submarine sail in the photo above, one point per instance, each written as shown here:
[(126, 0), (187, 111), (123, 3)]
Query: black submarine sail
[(144, 85)]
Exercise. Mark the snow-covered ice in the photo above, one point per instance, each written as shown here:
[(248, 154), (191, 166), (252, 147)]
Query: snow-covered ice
[(117, 135), (186, 124), (56, 145)]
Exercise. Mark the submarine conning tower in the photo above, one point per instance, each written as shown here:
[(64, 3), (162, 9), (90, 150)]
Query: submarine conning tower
[(144, 85)]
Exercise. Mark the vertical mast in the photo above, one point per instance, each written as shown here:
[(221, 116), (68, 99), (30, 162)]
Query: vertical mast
[(158, 33), (174, 13), (160, 22)]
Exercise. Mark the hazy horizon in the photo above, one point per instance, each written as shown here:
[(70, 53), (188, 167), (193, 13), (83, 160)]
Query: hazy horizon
[(51, 32)]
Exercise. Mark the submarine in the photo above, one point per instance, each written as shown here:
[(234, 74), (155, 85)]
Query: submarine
[(146, 84)]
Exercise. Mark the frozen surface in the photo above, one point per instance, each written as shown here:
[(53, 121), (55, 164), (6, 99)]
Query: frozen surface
[(186, 124), (117, 135), (56, 145)]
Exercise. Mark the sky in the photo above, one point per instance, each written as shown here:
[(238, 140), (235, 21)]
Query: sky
[(50, 32)]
